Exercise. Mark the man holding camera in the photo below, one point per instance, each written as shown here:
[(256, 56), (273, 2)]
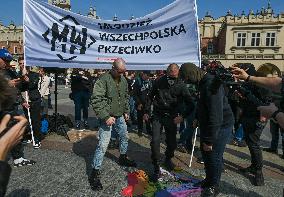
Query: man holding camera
[(18, 82)]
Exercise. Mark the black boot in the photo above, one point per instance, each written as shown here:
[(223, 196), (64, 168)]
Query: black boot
[(170, 166), (251, 169), (124, 161), (258, 178), (210, 191), (95, 181), (203, 184), (157, 173), (140, 133)]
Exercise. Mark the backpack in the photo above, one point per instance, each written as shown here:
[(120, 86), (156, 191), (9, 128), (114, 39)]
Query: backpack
[(64, 124), (44, 126)]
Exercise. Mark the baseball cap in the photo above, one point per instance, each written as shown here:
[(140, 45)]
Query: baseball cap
[(6, 55)]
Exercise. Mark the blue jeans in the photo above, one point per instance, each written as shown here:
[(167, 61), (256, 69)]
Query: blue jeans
[(187, 134), (213, 160), (81, 100), (133, 112), (239, 133), (104, 138)]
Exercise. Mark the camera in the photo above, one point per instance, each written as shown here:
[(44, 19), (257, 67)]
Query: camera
[(11, 122)]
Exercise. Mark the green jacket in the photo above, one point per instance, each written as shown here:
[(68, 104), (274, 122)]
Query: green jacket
[(109, 98)]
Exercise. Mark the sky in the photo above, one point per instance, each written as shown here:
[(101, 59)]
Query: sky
[(12, 10)]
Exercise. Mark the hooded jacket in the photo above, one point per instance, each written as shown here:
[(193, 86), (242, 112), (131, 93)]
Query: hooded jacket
[(213, 109)]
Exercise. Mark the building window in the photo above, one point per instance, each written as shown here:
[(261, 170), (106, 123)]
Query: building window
[(15, 50), (241, 39), (210, 48), (270, 38), (255, 39)]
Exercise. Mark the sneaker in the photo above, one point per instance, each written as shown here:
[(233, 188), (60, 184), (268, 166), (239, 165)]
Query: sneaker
[(27, 141), (78, 124), (37, 145), (86, 125), (258, 178), (170, 166), (95, 181), (23, 162), (270, 150), (200, 160), (124, 161)]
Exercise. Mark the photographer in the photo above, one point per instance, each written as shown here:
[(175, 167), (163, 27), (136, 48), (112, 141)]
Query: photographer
[(273, 83), (253, 125), (16, 108), (9, 137)]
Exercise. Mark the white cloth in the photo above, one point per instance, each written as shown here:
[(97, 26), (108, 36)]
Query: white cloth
[(59, 38), (43, 86)]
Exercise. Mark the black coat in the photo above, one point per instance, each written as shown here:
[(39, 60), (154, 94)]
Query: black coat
[(141, 91), (168, 97), (214, 111)]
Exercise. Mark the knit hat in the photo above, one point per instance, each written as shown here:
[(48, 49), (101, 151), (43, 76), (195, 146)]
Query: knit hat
[(191, 72)]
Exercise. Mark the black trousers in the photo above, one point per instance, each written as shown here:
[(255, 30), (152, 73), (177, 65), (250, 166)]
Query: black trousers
[(252, 132), (170, 129), (140, 114), (35, 109)]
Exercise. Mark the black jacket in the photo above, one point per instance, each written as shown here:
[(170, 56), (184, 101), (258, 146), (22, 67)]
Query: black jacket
[(81, 83), (32, 86), (5, 171), (214, 111), (141, 91), (168, 96), (250, 109)]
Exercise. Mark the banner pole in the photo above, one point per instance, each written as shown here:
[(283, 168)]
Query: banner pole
[(24, 56), (191, 157), (198, 34)]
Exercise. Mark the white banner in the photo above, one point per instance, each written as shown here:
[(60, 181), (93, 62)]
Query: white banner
[(54, 37)]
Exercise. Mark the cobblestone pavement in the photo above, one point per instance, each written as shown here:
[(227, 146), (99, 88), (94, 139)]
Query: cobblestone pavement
[(63, 172)]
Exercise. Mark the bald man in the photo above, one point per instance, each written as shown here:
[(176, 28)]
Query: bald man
[(168, 96), (110, 103)]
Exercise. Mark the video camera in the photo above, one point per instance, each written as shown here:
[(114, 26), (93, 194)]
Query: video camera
[(224, 76)]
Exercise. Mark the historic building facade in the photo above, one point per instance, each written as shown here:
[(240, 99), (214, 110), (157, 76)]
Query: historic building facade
[(11, 38), (256, 38)]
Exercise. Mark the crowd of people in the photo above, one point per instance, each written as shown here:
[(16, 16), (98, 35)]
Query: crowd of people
[(181, 98)]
